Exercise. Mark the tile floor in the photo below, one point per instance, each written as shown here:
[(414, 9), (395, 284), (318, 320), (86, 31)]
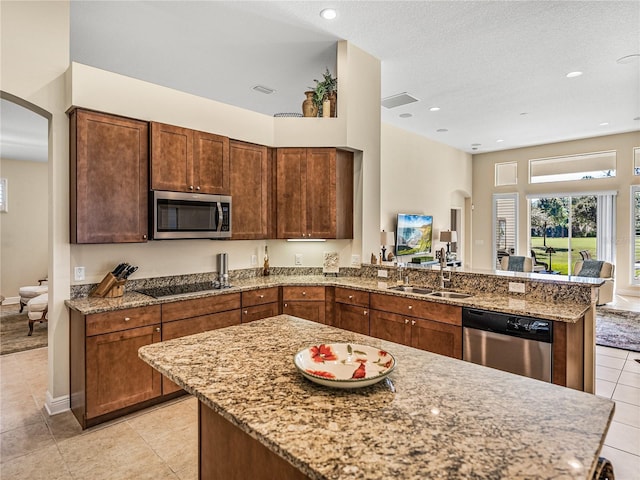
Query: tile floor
[(161, 442)]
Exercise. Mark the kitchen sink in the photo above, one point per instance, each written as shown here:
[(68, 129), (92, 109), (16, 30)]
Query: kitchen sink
[(449, 295), (410, 289)]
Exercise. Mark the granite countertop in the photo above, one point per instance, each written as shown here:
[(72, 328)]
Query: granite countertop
[(434, 417), (518, 305)]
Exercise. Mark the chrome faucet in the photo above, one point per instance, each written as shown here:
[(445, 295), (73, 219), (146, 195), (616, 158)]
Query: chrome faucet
[(444, 281)]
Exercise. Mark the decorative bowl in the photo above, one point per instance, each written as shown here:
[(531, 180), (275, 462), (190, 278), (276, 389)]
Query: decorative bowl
[(344, 365)]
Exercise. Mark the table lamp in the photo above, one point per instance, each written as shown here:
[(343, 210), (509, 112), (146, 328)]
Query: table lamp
[(386, 238), (448, 237)]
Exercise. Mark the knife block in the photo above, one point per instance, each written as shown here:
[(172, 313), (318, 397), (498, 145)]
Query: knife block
[(109, 287)]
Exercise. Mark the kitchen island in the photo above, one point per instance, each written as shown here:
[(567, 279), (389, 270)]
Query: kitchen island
[(434, 417)]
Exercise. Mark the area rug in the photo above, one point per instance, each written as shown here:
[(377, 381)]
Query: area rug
[(618, 329), (14, 327)]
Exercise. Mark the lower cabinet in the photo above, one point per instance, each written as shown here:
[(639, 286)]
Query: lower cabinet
[(106, 375), (351, 311), (304, 302), (258, 304), (430, 326)]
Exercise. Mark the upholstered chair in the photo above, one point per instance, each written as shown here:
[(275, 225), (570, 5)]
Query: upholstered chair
[(37, 309), (605, 292), (507, 264), (32, 291)]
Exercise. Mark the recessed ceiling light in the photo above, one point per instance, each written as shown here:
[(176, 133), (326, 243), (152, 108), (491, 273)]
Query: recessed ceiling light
[(263, 89), (629, 58), (500, 140), (405, 115), (434, 109), (637, 118), (573, 74), (442, 130), (524, 113), (604, 124), (474, 148), (329, 13)]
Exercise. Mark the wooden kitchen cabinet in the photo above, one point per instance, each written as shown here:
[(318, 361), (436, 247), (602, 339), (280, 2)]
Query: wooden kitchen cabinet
[(185, 160), (351, 310), (314, 193), (261, 303), (188, 317), (107, 377), (304, 302), (251, 177), (431, 326), (108, 178)]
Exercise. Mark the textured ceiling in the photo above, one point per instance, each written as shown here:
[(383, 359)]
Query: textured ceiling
[(497, 70)]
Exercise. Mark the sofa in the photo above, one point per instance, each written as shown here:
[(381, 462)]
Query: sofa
[(605, 292)]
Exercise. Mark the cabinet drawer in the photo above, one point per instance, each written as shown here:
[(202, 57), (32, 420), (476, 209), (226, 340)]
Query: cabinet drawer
[(200, 306), (352, 297), (302, 293), (257, 312), (260, 297), (125, 319), (438, 312)]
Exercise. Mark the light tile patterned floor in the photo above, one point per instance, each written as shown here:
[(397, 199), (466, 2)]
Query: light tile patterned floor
[(160, 442)]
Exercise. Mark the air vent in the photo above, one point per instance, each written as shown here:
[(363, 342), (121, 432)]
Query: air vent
[(263, 89), (398, 100)]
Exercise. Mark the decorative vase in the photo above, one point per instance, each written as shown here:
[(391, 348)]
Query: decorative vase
[(333, 99), (326, 108), (309, 109)]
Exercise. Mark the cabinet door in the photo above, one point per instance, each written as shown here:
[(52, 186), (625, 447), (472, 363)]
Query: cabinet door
[(391, 326), (250, 190), (257, 312), (314, 311), (210, 163), (436, 337), (320, 189), (108, 178), (171, 158), (191, 326), (291, 194), (115, 376), (351, 317)]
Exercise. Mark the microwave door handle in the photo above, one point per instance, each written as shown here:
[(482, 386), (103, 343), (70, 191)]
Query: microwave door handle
[(219, 229)]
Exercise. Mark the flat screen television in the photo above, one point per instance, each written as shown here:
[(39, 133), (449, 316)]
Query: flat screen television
[(413, 234)]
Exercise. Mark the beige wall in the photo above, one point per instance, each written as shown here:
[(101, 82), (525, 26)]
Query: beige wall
[(483, 188), (24, 228), (34, 58), (419, 175)]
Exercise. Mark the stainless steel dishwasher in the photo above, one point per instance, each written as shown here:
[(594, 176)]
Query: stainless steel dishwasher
[(512, 343)]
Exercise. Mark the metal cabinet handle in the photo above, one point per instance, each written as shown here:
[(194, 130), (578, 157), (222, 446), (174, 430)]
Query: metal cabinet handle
[(304, 293), (406, 320), (144, 237), (126, 319), (413, 322), (261, 296), (157, 329), (246, 312), (286, 305), (190, 187), (350, 297), (410, 307), (366, 313), (198, 188)]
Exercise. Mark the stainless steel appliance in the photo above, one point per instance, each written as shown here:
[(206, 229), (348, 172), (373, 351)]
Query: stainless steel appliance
[(223, 270), (177, 215), (512, 343)]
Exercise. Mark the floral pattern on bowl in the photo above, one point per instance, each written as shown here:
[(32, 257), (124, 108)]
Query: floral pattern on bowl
[(344, 365)]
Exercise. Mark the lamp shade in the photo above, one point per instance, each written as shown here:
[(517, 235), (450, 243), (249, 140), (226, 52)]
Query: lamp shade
[(448, 236), (387, 238)]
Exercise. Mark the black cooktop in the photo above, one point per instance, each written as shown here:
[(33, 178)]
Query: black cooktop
[(170, 290)]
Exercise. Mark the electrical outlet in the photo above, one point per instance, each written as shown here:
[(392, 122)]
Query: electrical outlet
[(298, 259), (78, 273), (254, 260), (355, 260), (383, 273), (516, 287)]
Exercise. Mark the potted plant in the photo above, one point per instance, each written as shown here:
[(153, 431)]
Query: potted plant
[(325, 90)]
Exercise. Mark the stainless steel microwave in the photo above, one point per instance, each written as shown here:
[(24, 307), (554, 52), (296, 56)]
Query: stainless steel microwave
[(189, 215)]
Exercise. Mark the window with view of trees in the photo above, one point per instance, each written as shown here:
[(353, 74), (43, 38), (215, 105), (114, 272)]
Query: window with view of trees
[(635, 234)]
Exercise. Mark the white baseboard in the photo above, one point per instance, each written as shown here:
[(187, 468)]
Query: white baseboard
[(630, 292), (57, 405), (11, 301)]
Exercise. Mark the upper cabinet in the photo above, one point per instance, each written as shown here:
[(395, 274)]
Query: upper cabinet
[(314, 193), (185, 160), (251, 190), (108, 178)]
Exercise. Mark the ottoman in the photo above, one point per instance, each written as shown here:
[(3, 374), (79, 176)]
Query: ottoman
[(27, 293)]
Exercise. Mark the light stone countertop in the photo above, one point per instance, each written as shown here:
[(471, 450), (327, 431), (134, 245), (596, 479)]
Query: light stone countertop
[(519, 305), (436, 417)]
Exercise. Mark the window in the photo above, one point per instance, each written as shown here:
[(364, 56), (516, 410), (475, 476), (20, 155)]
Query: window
[(506, 174), (3, 195), (635, 233), (573, 167), (505, 221), (636, 161)]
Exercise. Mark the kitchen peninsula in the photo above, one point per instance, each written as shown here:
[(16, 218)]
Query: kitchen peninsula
[(434, 417)]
